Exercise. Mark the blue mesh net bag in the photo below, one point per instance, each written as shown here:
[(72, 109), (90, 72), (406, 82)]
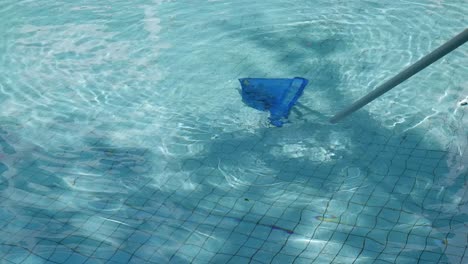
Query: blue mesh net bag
[(275, 95)]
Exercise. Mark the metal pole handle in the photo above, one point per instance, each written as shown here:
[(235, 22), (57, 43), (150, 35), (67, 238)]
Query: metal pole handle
[(427, 60)]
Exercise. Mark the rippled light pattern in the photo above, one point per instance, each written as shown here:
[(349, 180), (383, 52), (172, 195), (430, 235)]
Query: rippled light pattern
[(123, 138)]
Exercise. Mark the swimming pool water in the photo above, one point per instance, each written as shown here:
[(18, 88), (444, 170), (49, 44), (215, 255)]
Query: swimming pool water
[(123, 137)]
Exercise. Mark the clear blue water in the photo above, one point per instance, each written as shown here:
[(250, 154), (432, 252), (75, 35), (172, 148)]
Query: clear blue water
[(123, 137)]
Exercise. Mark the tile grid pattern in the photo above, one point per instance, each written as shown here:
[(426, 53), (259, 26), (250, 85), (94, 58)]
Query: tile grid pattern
[(387, 234), (387, 216)]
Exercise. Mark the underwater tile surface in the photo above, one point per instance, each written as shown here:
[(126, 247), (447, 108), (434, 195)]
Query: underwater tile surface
[(124, 139)]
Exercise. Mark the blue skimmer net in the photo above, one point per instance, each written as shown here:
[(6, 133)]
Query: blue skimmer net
[(275, 95)]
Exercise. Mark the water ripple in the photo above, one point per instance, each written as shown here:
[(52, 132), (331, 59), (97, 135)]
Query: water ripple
[(121, 124)]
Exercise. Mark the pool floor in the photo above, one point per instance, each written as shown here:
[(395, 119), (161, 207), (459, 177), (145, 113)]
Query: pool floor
[(124, 139)]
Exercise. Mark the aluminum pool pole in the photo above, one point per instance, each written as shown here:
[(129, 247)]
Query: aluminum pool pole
[(425, 61)]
